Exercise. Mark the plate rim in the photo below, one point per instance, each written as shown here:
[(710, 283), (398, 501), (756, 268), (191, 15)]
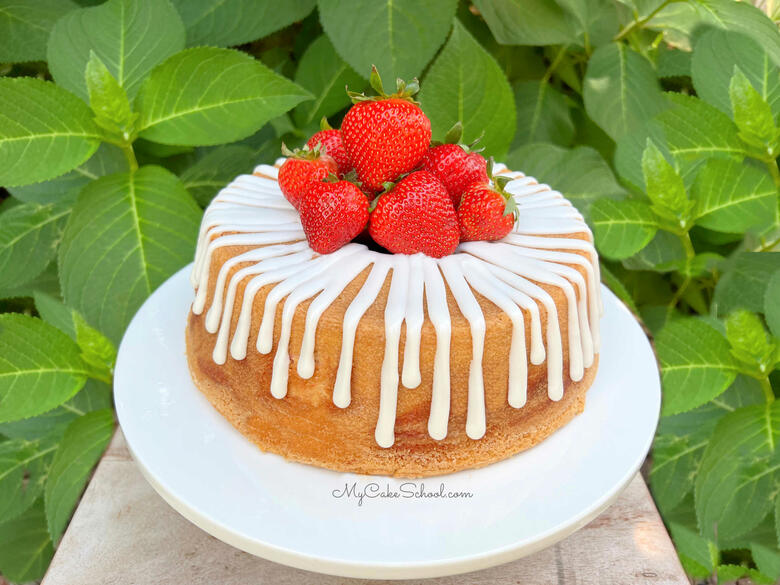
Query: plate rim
[(382, 569)]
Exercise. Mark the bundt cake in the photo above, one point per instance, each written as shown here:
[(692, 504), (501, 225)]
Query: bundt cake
[(393, 364)]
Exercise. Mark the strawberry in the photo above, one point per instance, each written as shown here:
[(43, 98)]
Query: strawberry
[(486, 212), (455, 165), (415, 215), (303, 167), (386, 135), (332, 145), (333, 213)]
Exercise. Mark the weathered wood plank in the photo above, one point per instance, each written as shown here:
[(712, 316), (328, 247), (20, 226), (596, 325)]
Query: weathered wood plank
[(123, 533)]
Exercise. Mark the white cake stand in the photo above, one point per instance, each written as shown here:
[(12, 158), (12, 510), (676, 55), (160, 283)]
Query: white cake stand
[(313, 519)]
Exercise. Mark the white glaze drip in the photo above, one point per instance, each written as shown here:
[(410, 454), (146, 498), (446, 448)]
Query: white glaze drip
[(252, 213)]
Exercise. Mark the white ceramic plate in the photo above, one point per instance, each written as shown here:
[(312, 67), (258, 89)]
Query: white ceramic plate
[(298, 515)]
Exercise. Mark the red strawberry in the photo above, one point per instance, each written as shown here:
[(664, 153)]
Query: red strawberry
[(303, 167), (415, 215), (333, 213), (486, 211), (455, 165), (387, 135), (332, 145)]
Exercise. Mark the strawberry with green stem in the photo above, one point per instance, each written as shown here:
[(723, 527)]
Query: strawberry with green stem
[(333, 213), (415, 215), (487, 211), (303, 167), (385, 136), (456, 165), (332, 144)]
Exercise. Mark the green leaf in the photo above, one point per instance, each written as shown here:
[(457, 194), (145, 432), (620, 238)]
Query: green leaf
[(579, 173), (664, 186), (25, 26), (696, 365), (44, 131), (733, 197), (620, 90), (208, 175), (738, 472), (24, 467), (106, 160), (526, 22), (673, 62), (465, 84), (622, 228), (323, 73), (752, 112), (95, 395), (767, 560), (96, 350), (664, 253), (616, 286), (744, 281), (29, 234), (400, 37), (56, 313), (771, 306), (108, 100), (126, 235), (595, 22), (693, 547), (224, 23), (717, 53), (129, 36), (749, 341), (82, 444), (40, 367), (542, 114), (680, 21), (25, 546), (242, 94)]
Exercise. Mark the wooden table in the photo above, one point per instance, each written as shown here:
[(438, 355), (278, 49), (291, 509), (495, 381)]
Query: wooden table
[(123, 533)]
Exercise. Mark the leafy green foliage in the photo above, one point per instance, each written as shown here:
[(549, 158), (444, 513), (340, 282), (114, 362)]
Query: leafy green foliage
[(658, 119), (241, 96), (398, 36), (126, 235), (484, 103)]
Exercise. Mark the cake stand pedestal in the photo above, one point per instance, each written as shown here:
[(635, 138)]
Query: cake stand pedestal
[(124, 533)]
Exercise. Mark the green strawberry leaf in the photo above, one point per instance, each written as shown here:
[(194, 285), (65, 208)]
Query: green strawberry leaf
[(24, 467), (44, 131), (129, 36), (622, 228), (25, 546), (84, 441), (696, 365), (241, 96), (400, 37), (749, 341), (739, 471), (621, 90), (744, 281), (29, 234), (465, 84), (733, 197), (40, 367), (752, 112), (664, 186), (527, 22), (717, 53), (109, 101), (323, 73), (581, 174), (25, 26), (224, 23), (542, 114), (126, 235)]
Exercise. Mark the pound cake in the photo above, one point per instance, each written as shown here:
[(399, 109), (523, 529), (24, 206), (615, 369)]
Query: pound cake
[(369, 360)]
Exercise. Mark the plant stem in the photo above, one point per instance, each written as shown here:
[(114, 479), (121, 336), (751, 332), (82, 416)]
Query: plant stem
[(639, 22), (554, 65), (690, 253), (774, 171), (767, 388), (127, 149)]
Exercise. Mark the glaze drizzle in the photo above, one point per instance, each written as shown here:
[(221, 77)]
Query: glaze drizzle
[(252, 211)]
